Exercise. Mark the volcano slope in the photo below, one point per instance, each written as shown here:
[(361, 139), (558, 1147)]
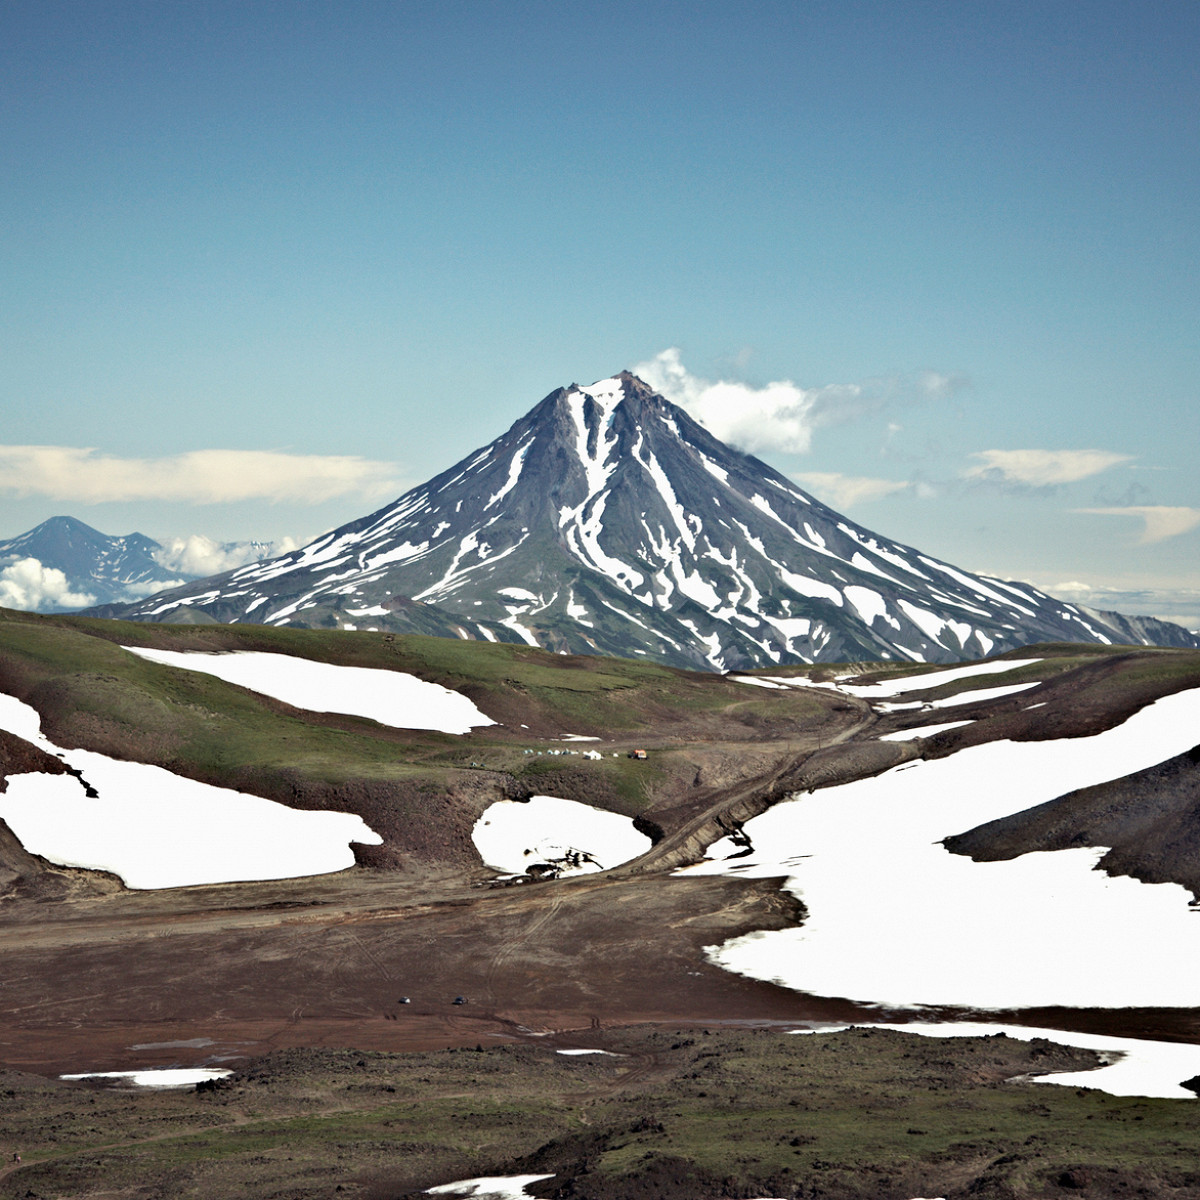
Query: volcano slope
[(100, 977)]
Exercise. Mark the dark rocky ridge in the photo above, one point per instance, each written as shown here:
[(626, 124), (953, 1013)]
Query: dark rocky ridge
[(1150, 819)]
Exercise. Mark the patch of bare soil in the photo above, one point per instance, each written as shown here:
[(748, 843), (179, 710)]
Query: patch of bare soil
[(327, 962)]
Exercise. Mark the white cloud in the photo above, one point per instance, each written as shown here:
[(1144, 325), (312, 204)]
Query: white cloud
[(200, 476), (148, 587), (1071, 589), (844, 491), (27, 585), (936, 385), (1161, 522), (1041, 468), (782, 415), (200, 555)]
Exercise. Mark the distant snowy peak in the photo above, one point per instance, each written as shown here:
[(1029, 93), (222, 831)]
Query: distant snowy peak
[(606, 520), (63, 564)]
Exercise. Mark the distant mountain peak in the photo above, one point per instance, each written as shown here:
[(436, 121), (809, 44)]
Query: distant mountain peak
[(607, 520), (63, 563), (75, 564)]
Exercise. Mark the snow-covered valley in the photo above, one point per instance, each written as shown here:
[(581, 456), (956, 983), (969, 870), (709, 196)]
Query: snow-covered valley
[(895, 919), (892, 918)]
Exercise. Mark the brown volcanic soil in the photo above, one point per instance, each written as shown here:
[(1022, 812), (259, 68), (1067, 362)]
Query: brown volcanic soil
[(669, 1114), (213, 976), (324, 962)]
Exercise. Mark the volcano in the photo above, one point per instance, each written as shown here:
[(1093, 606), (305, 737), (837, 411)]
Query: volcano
[(607, 521)]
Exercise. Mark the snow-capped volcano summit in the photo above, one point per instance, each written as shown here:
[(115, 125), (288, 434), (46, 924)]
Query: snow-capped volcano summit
[(608, 521)]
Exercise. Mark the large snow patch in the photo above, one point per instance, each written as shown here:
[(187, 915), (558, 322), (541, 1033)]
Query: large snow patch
[(895, 918), (158, 830), (574, 838), (158, 1077), (389, 697)]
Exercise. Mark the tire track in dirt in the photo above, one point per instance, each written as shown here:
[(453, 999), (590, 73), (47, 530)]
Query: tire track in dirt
[(643, 1066), (511, 946)]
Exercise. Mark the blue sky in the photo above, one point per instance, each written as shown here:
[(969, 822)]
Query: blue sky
[(336, 247)]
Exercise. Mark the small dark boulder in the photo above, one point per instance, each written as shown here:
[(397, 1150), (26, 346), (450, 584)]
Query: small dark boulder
[(1074, 1179)]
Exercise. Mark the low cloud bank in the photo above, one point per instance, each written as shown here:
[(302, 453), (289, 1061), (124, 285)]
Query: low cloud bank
[(845, 491), (1178, 604), (199, 555), (29, 586), (1160, 521), (88, 476), (782, 415), (1041, 468)]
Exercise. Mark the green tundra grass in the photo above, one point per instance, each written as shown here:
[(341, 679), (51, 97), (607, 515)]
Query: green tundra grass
[(687, 1114)]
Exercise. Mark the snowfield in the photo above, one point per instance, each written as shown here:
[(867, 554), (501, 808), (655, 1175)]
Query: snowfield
[(896, 919), (906, 684), (921, 731), (513, 835), (159, 830), (981, 694), (389, 697), (933, 679)]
